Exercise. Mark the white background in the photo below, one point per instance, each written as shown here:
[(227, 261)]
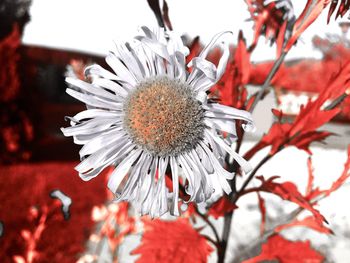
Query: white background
[(91, 25)]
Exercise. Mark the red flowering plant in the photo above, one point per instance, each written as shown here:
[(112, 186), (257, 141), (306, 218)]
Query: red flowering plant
[(159, 179)]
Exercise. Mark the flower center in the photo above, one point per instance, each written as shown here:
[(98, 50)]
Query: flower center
[(163, 116)]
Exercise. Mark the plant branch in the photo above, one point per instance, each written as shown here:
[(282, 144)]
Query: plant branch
[(267, 82), (209, 223), (228, 217), (211, 241), (204, 217)]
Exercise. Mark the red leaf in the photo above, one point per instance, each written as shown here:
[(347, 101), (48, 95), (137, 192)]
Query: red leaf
[(262, 208), (303, 142), (172, 241), (231, 88), (242, 60), (309, 222), (314, 193), (9, 57), (195, 49), (281, 39), (311, 177), (271, 20), (221, 207), (332, 8), (342, 9), (302, 132), (288, 191), (308, 16), (276, 137), (277, 113), (344, 176), (286, 251)]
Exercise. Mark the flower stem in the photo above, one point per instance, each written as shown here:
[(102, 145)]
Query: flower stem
[(235, 195), (229, 216), (204, 218)]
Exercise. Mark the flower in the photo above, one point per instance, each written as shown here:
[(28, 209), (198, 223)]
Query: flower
[(151, 114)]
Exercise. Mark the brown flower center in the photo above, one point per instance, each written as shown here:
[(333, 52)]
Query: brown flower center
[(163, 116)]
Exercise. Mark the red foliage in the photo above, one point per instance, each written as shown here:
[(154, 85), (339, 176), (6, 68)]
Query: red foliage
[(310, 75), (271, 20), (9, 57), (262, 208), (172, 241), (314, 193), (16, 131), (286, 251), (343, 8), (231, 88), (27, 185), (311, 11), (343, 177), (302, 131), (311, 177), (309, 222), (195, 48), (288, 191), (221, 208), (116, 223)]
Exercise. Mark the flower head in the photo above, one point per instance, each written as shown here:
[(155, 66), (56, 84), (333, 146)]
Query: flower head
[(151, 114)]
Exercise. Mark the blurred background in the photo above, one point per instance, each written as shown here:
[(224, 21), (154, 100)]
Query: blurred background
[(43, 41)]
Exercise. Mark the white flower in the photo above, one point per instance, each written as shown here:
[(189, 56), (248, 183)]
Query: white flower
[(150, 115)]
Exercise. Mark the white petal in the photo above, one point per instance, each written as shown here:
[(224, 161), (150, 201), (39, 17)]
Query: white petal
[(130, 61), (94, 101), (103, 140), (97, 91), (100, 71), (89, 127), (156, 47), (95, 163), (220, 172), (127, 192), (206, 182), (216, 110), (175, 178), (111, 85), (148, 188), (246, 167), (120, 70), (222, 125), (95, 113), (121, 170)]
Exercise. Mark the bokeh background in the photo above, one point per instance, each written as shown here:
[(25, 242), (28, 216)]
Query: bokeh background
[(42, 41)]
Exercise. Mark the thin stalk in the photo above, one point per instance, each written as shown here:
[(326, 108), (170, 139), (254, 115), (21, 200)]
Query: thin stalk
[(267, 82), (209, 223), (229, 216), (204, 218), (235, 195)]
